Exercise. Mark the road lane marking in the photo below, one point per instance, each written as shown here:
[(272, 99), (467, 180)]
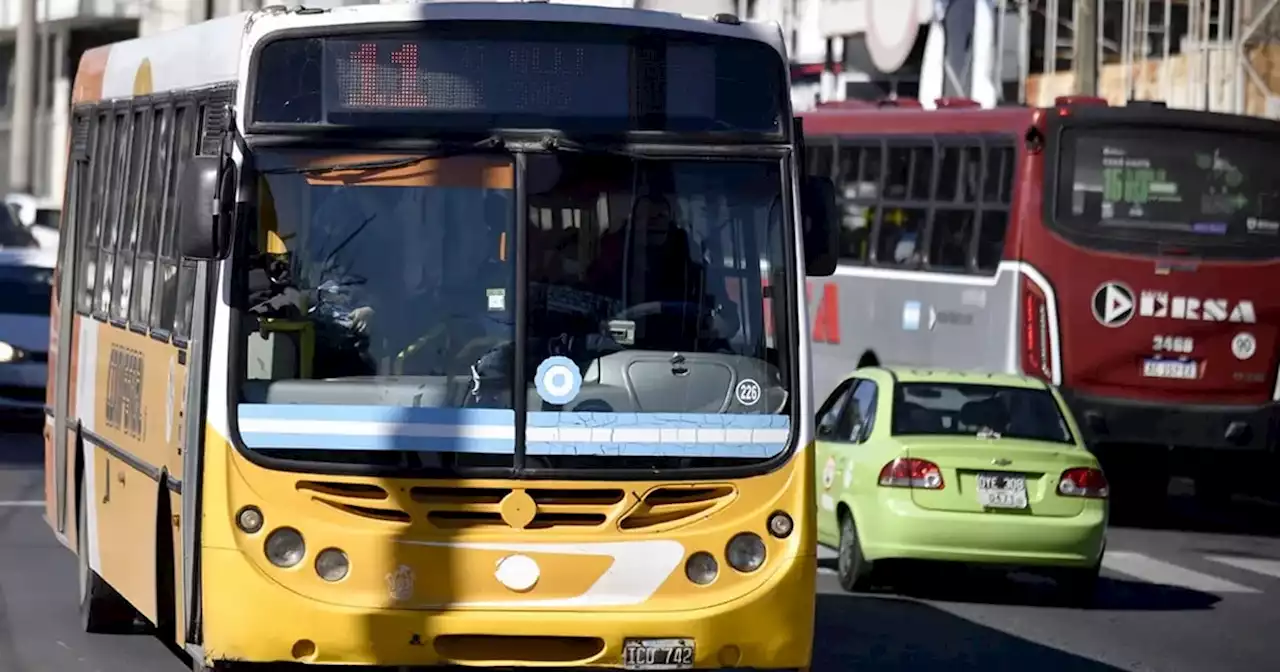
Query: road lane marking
[(827, 570), (1159, 572), (1255, 565), (22, 503)]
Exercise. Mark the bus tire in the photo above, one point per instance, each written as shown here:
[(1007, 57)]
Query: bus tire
[(166, 602), (853, 567), (102, 609)]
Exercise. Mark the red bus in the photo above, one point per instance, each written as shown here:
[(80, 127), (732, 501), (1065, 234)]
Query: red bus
[(1125, 254)]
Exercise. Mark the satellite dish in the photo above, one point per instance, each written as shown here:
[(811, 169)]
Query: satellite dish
[(891, 31)]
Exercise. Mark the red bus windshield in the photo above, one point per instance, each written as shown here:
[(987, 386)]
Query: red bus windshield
[(1155, 190)]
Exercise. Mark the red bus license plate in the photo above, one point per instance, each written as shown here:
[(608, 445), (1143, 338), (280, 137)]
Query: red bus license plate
[(1167, 368)]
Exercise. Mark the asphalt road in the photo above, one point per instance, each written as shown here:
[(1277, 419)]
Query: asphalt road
[(1199, 596)]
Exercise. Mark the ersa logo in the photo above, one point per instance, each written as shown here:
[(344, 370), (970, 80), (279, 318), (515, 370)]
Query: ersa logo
[(1114, 305)]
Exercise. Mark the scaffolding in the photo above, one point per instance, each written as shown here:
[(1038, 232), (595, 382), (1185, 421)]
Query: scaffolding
[(1214, 55)]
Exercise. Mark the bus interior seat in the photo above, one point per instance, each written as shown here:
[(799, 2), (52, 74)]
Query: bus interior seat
[(426, 391)]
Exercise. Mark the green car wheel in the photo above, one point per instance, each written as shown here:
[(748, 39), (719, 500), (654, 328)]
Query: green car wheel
[(853, 567)]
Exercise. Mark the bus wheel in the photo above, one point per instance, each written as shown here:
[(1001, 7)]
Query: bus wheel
[(853, 568), (102, 609)]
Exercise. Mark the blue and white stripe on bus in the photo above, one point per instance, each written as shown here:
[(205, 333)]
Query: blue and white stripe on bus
[(468, 430)]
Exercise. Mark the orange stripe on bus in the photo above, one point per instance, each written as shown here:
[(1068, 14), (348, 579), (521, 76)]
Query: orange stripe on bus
[(459, 171), (89, 76)]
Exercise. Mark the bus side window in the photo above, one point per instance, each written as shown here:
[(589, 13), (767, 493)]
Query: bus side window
[(909, 181), (153, 204), (184, 132), (192, 135), (997, 194), (956, 199), (821, 158), (83, 213), (99, 166), (130, 216), (116, 186), (858, 189)]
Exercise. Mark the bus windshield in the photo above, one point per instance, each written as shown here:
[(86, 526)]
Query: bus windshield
[(382, 299), (1203, 190)]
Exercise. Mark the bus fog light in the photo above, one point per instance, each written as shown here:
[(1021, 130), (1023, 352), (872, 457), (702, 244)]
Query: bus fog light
[(701, 568), (285, 547), (249, 519), (745, 552), (780, 525), (332, 564)]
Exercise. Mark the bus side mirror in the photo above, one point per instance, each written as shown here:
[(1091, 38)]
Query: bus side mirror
[(821, 226), (206, 198)]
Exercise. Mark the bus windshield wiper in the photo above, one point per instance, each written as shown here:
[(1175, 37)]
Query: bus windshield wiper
[(555, 143), (443, 151)]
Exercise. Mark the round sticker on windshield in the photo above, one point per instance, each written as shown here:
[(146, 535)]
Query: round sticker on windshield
[(558, 380), (748, 392), (1244, 345)]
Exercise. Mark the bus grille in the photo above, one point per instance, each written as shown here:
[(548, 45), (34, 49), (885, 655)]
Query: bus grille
[(460, 508)]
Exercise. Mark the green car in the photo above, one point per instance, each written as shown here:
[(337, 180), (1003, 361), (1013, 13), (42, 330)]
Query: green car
[(971, 468)]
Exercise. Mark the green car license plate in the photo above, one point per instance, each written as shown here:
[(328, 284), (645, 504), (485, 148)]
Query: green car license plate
[(657, 654), (1002, 491)]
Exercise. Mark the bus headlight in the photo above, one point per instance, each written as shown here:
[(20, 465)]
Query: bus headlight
[(7, 353), (745, 552), (249, 519), (332, 564), (285, 547), (780, 524), (701, 568)]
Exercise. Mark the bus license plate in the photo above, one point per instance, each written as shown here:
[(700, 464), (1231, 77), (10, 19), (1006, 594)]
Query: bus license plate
[(657, 654), (1166, 368), (1002, 491)]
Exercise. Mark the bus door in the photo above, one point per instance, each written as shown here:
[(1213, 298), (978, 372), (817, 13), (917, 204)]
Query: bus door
[(62, 327)]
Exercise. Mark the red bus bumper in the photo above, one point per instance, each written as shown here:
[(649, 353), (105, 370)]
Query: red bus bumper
[(1123, 421)]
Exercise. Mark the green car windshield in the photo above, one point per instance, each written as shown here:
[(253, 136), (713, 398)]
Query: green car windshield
[(964, 409)]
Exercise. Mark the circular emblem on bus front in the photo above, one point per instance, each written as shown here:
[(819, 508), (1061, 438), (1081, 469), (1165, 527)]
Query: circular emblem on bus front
[(558, 380), (1113, 304)]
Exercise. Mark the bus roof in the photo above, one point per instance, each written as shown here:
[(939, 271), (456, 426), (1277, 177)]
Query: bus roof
[(902, 119), (214, 52)]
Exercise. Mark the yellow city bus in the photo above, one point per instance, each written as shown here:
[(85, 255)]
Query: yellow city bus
[(441, 334)]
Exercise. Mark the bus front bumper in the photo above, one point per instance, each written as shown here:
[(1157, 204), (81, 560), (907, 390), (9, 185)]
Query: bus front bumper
[(248, 617)]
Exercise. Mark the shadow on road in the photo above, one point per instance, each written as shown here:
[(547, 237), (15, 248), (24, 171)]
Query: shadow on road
[(1241, 515), (888, 633), (21, 443), (946, 583)]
